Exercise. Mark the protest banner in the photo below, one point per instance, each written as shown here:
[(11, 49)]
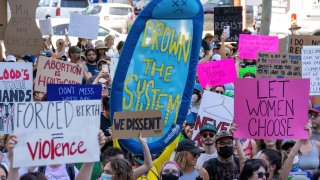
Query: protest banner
[(157, 72), (66, 132), (216, 109), (311, 67), (16, 85), (129, 124), (279, 65), (216, 73), (84, 26), (3, 18), (250, 69), (22, 35), (73, 92), (45, 26), (296, 42), (251, 45), (228, 16), (53, 71), (271, 108)]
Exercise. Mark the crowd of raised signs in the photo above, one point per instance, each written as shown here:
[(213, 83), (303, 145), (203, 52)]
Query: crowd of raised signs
[(222, 156)]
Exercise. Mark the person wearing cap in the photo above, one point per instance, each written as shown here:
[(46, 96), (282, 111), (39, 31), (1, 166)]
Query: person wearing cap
[(196, 99), (205, 51), (10, 58), (74, 55), (92, 65), (314, 117), (208, 134), (187, 154), (226, 165)]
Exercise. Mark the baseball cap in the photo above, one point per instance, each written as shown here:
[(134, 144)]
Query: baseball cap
[(223, 134), (189, 145), (316, 109), (198, 87), (74, 49), (208, 127), (11, 58)]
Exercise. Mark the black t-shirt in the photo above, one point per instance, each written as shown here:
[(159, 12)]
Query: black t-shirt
[(222, 170), (105, 123)]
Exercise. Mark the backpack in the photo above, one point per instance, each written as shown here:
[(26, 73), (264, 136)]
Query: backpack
[(69, 167), (212, 167)]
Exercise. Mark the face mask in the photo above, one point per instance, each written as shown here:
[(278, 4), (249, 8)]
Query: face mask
[(226, 151), (106, 176), (169, 177), (194, 97)]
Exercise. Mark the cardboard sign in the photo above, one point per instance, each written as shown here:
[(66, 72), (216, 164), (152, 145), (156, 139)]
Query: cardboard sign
[(45, 26), (228, 16), (278, 65), (22, 35), (251, 45), (216, 72), (3, 18), (243, 71), (271, 108), (84, 26), (66, 132), (296, 42), (130, 124), (16, 85), (72, 92), (53, 71), (311, 67), (216, 109)]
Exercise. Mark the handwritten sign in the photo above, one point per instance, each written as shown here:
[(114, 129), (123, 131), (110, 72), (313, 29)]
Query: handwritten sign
[(45, 26), (3, 18), (129, 124), (297, 42), (16, 85), (84, 26), (22, 35), (251, 45), (243, 71), (278, 65), (228, 16), (66, 132), (72, 92), (216, 72), (53, 71), (271, 108), (216, 109), (311, 67)]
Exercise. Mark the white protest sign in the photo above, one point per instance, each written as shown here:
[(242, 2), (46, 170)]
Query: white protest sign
[(311, 67), (45, 27), (16, 85), (84, 26), (216, 109), (56, 132)]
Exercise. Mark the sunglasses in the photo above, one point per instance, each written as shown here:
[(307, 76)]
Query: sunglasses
[(262, 174), (172, 171), (204, 135), (195, 154)]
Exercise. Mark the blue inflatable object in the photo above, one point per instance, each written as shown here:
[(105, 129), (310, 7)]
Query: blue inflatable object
[(157, 67)]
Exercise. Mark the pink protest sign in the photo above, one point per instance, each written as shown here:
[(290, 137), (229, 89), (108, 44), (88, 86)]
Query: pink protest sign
[(271, 108), (216, 72), (251, 45)]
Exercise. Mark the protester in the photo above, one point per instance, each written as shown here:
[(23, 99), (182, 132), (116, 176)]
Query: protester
[(92, 66), (254, 169), (208, 134), (314, 116), (117, 169), (186, 157), (196, 100), (101, 49), (3, 171), (119, 46), (225, 166), (205, 51), (111, 51), (105, 122), (170, 170)]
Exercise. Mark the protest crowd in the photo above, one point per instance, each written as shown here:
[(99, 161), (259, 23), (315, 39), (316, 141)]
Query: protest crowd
[(222, 137)]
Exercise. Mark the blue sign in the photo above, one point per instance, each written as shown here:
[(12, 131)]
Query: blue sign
[(73, 92), (157, 67)]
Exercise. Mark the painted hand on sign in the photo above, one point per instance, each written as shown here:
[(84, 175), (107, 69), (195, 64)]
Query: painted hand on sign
[(156, 70)]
